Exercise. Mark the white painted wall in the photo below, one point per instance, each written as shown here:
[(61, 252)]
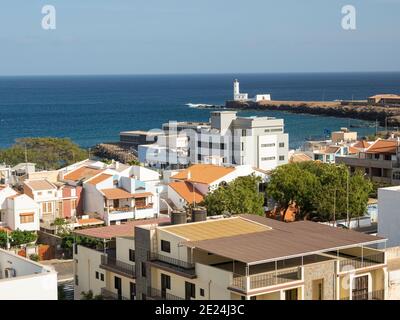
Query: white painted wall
[(19, 205), (32, 282), (389, 215)]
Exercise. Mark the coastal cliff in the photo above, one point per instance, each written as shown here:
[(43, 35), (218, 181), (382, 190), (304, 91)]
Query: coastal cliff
[(327, 108)]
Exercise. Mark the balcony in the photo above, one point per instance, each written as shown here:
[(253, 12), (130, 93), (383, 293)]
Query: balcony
[(117, 266), (109, 295), (181, 267), (348, 264), (373, 295), (142, 207), (156, 294), (263, 280)]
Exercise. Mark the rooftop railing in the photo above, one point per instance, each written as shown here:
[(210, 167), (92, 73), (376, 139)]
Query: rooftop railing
[(118, 266), (262, 280)]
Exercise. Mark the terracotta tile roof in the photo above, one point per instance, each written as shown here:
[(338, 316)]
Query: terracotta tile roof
[(90, 221), (330, 150), (299, 157), (122, 230), (203, 173), (353, 150), (383, 146), (362, 144), (100, 178), (37, 185), (142, 194), (185, 191), (82, 173), (117, 193)]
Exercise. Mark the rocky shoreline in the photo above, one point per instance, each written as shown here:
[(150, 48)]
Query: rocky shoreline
[(391, 115)]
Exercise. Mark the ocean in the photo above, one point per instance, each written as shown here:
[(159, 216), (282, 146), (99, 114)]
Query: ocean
[(94, 109)]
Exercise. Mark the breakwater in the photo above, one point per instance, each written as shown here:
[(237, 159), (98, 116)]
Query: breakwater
[(384, 115)]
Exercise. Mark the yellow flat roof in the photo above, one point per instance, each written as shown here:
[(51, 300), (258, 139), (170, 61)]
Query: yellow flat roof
[(213, 229)]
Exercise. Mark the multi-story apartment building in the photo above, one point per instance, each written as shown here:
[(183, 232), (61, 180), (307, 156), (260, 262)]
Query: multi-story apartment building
[(256, 141), (108, 269), (380, 161), (117, 196), (23, 279), (255, 258)]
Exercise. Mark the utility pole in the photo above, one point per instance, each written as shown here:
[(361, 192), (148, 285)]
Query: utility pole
[(334, 208)]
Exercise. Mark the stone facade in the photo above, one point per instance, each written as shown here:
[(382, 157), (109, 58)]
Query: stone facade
[(322, 270)]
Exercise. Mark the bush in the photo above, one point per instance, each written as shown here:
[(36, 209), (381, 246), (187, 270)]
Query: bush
[(34, 257)]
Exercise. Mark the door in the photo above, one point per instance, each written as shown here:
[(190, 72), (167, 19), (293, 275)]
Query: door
[(360, 288), (165, 284), (291, 294), (115, 203), (132, 290), (118, 286), (190, 291)]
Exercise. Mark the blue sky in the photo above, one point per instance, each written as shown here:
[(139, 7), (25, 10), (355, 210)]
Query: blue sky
[(197, 36)]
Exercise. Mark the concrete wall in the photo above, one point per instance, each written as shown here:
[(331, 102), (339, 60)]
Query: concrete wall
[(86, 263)]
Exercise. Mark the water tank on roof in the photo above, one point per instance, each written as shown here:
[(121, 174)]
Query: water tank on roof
[(199, 214), (178, 217)]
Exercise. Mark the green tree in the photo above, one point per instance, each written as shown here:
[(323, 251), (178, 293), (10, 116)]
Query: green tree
[(320, 190), (18, 237), (48, 153), (237, 197)]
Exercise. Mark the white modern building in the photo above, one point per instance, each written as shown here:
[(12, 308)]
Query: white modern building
[(238, 96), (118, 196), (389, 215), (18, 211), (226, 139), (23, 279)]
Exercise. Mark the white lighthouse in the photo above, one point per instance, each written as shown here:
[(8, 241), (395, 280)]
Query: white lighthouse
[(237, 96)]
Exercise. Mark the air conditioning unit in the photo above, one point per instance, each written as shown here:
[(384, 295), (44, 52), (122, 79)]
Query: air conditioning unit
[(10, 273)]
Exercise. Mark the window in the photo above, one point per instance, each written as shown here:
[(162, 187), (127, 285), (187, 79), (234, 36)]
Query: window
[(73, 204), (165, 246), (190, 290), (199, 144), (39, 193), (281, 158), (49, 192), (165, 282), (267, 158), (26, 218), (281, 144), (242, 146), (131, 255), (222, 146), (76, 280), (267, 145), (102, 276), (47, 207), (244, 132), (199, 157), (253, 298), (202, 292), (143, 269), (97, 275), (266, 130), (276, 130)]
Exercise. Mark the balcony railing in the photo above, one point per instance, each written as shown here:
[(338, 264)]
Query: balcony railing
[(112, 264), (122, 209), (246, 283), (157, 294), (362, 262), (176, 264), (373, 295), (142, 207), (109, 295)]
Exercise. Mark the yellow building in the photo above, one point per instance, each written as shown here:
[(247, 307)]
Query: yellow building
[(254, 258)]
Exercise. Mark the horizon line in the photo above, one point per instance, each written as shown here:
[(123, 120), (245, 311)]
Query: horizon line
[(192, 73)]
